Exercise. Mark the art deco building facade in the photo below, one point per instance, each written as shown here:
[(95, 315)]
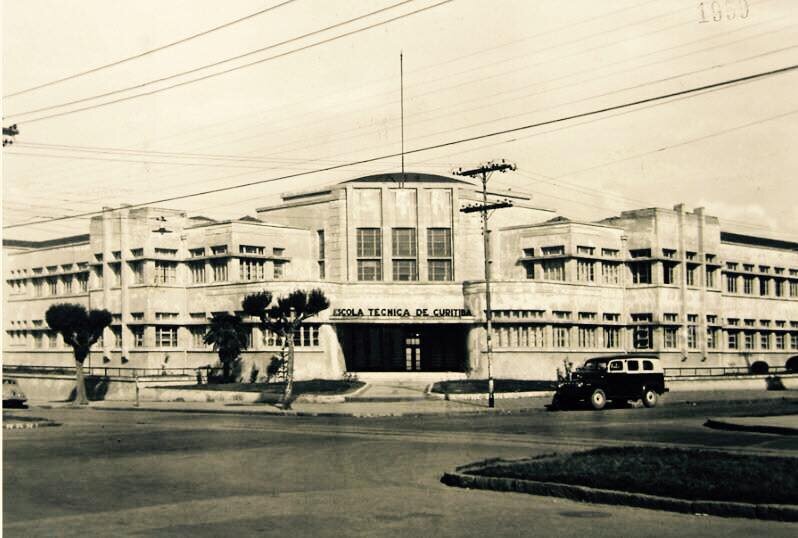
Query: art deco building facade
[(403, 268)]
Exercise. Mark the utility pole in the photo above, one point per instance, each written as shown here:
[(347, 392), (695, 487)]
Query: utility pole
[(484, 172)]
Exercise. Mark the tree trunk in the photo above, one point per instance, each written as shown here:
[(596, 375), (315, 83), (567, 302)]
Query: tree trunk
[(225, 371), (289, 374), (80, 384)]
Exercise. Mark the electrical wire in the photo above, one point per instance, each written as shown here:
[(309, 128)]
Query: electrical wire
[(225, 71), (151, 51), (629, 104)]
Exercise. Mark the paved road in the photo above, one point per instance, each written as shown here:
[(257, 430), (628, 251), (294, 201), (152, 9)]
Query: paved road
[(168, 474)]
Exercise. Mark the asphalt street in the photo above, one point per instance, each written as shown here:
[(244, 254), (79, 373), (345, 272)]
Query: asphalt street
[(143, 473)]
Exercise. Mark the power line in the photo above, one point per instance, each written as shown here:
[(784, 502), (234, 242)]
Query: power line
[(689, 91), (151, 51), (229, 70)]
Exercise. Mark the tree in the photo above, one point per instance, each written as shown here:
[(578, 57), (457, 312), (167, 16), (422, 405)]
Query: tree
[(80, 329), (228, 335), (285, 318)]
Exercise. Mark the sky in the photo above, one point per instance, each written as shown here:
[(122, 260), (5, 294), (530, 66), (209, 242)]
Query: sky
[(471, 67)]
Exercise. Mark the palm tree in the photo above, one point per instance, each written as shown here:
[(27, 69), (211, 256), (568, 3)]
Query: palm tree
[(80, 329), (229, 336), (285, 318)]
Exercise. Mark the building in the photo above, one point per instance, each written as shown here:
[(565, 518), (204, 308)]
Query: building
[(403, 269)]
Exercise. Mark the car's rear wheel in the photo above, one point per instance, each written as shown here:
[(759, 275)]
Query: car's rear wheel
[(650, 397), (556, 403), (598, 399)]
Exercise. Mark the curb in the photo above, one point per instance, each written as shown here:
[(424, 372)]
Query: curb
[(755, 428), (774, 512), (29, 425), (468, 396)]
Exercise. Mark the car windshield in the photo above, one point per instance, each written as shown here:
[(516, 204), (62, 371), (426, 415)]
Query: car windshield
[(594, 365)]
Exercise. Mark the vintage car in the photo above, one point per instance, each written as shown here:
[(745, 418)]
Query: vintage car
[(618, 378), (12, 394)]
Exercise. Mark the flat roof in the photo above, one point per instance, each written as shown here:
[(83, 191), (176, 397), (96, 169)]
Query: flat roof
[(752, 240)]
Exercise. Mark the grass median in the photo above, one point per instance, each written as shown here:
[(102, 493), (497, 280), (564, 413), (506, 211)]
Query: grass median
[(480, 386), (312, 386), (668, 472)]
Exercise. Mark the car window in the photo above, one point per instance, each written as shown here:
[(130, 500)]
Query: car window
[(616, 366), (648, 365), (632, 366)]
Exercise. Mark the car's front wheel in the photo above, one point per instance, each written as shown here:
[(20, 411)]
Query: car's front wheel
[(598, 399), (650, 397)]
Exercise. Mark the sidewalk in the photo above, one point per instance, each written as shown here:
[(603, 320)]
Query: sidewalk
[(781, 425), (410, 407)]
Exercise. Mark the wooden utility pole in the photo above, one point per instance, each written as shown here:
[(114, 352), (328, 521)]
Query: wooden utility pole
[(484, 172)]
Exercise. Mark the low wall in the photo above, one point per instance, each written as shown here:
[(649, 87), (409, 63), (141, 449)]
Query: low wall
[(728, 382), (56, 387)]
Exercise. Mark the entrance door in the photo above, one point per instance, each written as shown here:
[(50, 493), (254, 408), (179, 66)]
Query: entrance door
[(412, 351)]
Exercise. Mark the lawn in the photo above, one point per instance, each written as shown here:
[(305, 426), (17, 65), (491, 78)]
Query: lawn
[(669, 472), (313, 386), (480, 386)]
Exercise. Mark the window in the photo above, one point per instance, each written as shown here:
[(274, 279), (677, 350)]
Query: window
[(250, 269), (764, 340), (587, 337), (219, 268), (137, 268), (198, 337), (166, 252), (640, 253), (307, 335), (585, 271), (668, 273), (83, 282), (52, 285), (731, 338), (794, 340), (561, 314), (250, 249), (67, 284), (668, 253), (612, 337), (196, 252), (165, 272), (52, 339), (116, 272), (369, 253), (748, 284), (731, 283), (793, 288), (322, 268), (117, 332), (692, 336), (197, 271), (710, 273), (633, 366), (278, 270), (554, 270), (648, 366), (558, 250), (37, 340), (779, 337), (219, 250), (278, 251), (439, 270), (560, 335), (669, 337), (749, 340), (403, 244), (778, 287), (764, 286), (610, 252), (641, 272), (165, 336), (585, 251), (439, 254), (712, 338), (138, 336), (616, 366), (642, 333), (165, 315), (690, 275)]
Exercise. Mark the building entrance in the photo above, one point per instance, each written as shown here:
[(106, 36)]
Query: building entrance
[(403, 348)]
